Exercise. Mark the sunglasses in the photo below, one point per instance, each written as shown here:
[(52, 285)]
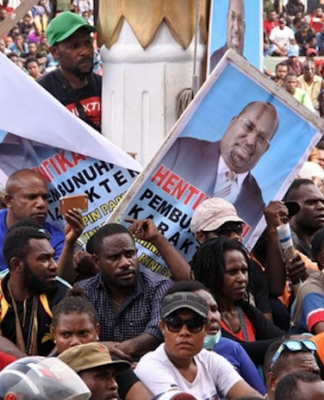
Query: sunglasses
[(194, 325), (293, 346), (45, 232), (228, 230)]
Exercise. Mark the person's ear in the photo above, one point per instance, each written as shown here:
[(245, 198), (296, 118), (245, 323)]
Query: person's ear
[(55, 52), (162, 327), (95, 259), (8, 200), (200, 236), (271, 381), (16, 265), (97, 331), (320, 259)]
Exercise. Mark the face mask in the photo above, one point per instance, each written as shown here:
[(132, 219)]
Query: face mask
[(211, 340)]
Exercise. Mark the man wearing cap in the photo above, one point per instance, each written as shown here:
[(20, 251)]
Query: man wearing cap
[(95, 367), (223, 168), (311, 83), (73, 83), (181, 362), (293, 63), (311, 55)]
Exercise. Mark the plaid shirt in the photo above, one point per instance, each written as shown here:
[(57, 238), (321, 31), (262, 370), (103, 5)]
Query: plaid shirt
[(140, 311)]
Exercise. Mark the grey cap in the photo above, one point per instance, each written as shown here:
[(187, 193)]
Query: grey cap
[(177, 301)]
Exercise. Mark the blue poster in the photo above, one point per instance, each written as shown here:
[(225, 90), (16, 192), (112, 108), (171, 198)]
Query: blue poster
[(237, 25), (238, 140)]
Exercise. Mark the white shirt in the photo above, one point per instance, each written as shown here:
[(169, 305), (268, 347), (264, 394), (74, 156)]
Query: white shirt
[(236, 186), (83, 5), (215, 375), (282, 37)]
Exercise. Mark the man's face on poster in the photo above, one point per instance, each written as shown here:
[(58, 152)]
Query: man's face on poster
[(235, 26), (248, 136)]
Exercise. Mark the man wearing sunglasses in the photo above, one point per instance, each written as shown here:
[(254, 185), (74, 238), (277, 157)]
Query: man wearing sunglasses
[(286, 356), (181, 362)]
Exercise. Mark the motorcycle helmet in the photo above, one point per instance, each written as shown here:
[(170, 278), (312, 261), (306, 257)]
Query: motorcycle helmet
[(41, 378), (174, 395)]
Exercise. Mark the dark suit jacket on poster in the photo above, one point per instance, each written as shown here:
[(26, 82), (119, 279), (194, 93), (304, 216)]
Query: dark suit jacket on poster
[(196, 161), (216, 56)]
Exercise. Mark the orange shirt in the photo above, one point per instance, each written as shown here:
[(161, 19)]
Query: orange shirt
[(249, 327), (319, 340)]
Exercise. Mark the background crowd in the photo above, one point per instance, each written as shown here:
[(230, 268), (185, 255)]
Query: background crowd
[(26, 44)]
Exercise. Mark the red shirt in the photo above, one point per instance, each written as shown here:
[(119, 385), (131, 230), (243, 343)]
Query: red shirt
[(269, 25), (9, 9), (316, 23), (5, 359), (249, 328)]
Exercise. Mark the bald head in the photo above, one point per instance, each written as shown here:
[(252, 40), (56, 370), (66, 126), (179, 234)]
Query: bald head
[(19, 178), (26, 197)]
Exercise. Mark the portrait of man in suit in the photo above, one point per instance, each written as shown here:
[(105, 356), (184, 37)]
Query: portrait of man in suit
[(235, 29), (222, 168)]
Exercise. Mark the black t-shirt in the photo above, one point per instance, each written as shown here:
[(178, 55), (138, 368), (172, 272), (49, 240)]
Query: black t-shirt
[(88, 96), (45, 339), (125, 380)]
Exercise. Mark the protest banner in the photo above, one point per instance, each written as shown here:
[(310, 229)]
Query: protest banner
[(186, 170), (38, 132), (235, 24)]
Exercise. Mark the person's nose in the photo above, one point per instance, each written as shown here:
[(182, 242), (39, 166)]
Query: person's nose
[(124, 262), (235, 24), (242, 276), (75, 341), (41, 202), (111, 384), (86, 50), (52, 265), (251, 139), (236, 236), (184, 331)]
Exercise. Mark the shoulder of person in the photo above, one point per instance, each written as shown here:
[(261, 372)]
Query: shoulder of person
[(95, 78), (47, 79), (151, 276), (88, 283), (52, 229)]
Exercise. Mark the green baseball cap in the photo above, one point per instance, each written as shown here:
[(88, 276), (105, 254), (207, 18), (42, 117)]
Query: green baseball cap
[(64, 25)]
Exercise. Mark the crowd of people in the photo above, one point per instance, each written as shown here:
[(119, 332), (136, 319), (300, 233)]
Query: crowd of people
[(229, 324), (26, 43), (299, 38)]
